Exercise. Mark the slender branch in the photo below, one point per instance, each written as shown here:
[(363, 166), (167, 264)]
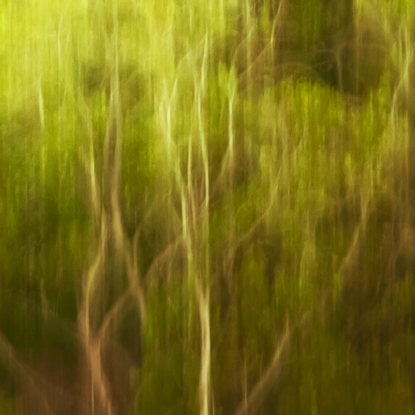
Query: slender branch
[(269, 379)]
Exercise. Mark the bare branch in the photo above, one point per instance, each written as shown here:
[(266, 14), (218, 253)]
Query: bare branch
[(269, 379)]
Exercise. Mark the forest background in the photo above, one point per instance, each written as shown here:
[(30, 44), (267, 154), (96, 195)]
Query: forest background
[(207, 207)]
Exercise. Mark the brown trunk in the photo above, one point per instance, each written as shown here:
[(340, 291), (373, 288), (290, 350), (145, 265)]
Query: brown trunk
[(46, 384)]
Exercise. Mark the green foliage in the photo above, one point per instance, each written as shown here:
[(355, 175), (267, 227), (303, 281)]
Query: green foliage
[(247, 104), (171, 364)]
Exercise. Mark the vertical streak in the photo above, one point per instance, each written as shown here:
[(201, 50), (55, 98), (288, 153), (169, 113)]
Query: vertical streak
[(204, 381)]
